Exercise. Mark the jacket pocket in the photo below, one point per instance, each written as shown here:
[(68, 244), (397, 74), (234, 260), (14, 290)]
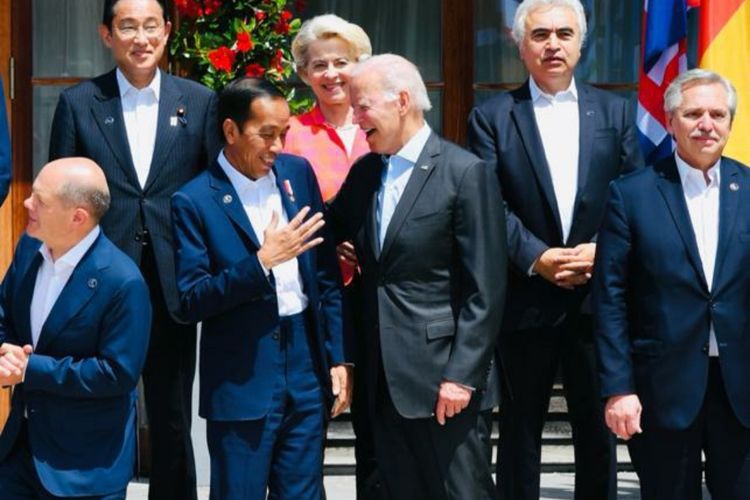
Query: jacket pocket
[(649, 348), (440, 328)]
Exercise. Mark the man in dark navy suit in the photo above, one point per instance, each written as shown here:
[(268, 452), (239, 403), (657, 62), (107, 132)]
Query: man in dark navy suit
[(671, 293), (267, 289), (74, 326), (151, 133), (555, 144)]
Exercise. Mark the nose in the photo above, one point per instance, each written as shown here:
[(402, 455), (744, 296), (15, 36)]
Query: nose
[(28, 203), (140, 35), (278, 144), (356, 119), (705, 123)]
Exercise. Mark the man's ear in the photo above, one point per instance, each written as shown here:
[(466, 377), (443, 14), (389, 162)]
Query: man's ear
[(81, 216), (404, 102), (106, 35), (231, 131)]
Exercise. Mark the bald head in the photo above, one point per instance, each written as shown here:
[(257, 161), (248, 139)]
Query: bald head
[(81, 183)]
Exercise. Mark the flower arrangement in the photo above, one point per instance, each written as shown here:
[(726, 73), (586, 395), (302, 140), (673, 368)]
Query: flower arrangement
[(217, 41)]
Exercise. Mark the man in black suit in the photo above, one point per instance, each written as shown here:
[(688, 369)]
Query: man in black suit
[(427, 224), (670, 298), (555, 145), (151, 133)]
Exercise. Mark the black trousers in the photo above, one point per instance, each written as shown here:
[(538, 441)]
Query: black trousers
[(668, 462), (532, 358), (168, 386), (421, 460)]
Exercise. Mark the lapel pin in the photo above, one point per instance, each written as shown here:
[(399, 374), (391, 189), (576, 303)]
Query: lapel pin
[(109, 120), (182, 115), (227, 199), (172, 121), (589, 113), (288, 189), (734, 186), (424, 167), (92, 283)]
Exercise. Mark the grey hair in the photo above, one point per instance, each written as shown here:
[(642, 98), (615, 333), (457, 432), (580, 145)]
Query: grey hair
[(692, 78), (325, 27), (397, 74), (519, 21), (89, 196)]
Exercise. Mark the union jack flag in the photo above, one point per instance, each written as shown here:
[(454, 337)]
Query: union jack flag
[(664, 43)]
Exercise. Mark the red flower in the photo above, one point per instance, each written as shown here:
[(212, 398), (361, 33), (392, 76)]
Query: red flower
[(244, 42), (285, 16), (254, 70), (197, 8), (282, 28), (278, 61), (222, 58), (260, 16)]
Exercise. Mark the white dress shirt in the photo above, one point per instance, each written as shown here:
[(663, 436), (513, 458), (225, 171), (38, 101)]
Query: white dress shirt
[(260, 198), (140, 110), (558, 123), (395, 177), (703, 206), (52, 277)]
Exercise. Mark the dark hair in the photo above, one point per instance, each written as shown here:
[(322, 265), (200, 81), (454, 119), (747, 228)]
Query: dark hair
[(237, 97), (109, 11)]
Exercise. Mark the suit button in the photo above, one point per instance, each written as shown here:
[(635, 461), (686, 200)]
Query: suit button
[(275, 335), (704, 349), (137, 237)]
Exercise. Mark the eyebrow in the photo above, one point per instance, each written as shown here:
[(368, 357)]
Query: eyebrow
[(565, 30)]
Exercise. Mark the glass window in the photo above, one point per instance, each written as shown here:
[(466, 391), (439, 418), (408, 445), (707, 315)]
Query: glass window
[(410, 29), (45, 102), (65, 38)]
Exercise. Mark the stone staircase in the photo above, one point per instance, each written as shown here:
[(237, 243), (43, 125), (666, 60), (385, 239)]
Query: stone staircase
[(557, 442)]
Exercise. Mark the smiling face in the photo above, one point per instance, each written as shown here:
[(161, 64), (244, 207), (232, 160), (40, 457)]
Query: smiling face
[(551, 47), (326, 70), (253, 148), (701, 124), (137, 39), (378, 113)]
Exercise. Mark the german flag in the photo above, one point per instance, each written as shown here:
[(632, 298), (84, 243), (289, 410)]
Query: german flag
[(724, 47)]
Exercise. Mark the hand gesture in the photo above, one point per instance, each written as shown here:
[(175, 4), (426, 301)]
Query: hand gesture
[(286, 243)]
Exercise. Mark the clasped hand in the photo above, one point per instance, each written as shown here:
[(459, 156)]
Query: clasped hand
[(13, 361), (285, 243), (567, 267)]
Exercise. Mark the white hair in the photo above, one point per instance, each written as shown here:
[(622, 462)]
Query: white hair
[(527, 6), (325, 27), (397, 74), (693, 78)]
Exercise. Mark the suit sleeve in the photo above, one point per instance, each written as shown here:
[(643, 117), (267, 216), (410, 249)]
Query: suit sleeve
[(631, 155), (329, 281), (5, 156), (212, 137), (203, 290), (609, 296), (117, 366), (63, 135), (524, 248), (480, 237)]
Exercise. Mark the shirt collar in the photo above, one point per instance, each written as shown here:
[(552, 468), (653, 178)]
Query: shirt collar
[(126, 87), (690, 176), (72, 257), (241, 182), (414, 146), (570, 94)]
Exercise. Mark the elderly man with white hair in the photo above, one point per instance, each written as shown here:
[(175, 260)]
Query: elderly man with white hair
[(555, 145), (428, 227)]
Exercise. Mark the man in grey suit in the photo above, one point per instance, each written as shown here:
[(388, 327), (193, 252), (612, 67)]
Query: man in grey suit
[(151, 133), (427, 222)]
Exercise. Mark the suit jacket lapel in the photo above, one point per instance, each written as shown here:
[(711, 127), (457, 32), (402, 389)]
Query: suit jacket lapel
[(670, 186), (525, 122), (420, 173), (729, 196), (23, 302), (289, 204), (170, 98), (229, 201), (107, 110), (78, 291), (371, 221), (586, 126)]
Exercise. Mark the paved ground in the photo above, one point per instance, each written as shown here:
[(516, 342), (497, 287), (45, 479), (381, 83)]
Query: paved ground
[(554, 487)]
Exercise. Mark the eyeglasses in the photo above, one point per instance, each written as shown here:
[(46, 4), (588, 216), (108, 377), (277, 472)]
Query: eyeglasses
[(270, 137), (129, 32)]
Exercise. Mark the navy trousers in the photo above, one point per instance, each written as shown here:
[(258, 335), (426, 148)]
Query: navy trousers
[(20, 481), (282, 452), (668, 462)]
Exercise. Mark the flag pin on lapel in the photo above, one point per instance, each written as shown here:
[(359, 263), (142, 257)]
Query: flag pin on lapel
[(92, 283), (424, 167), (734, 186), (288, 189), (109, 120), (227, 199), (172, 121)]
